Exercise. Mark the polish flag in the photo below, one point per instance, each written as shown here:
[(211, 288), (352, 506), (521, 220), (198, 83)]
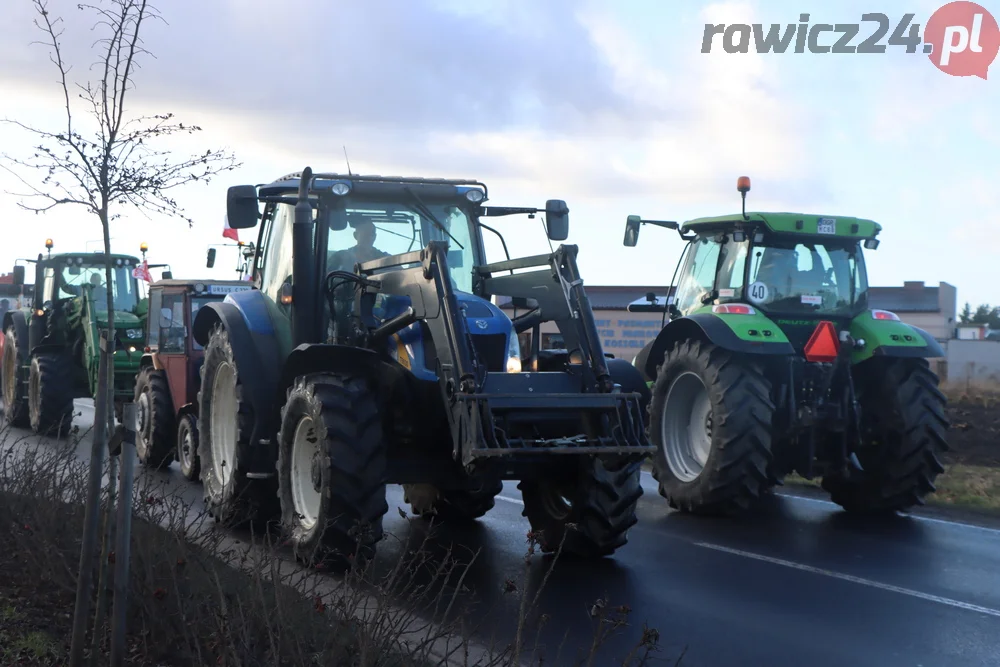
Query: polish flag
[(142, 272), (230, 233)]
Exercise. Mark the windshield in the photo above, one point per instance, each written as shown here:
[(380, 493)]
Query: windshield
[(807, 277), (78, 277), (378, 229)]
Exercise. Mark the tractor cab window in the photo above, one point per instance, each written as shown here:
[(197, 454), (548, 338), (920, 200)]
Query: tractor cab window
[(380, 228), (734, 261), (806, 277), (276, 264), (171, 330), (48, 286), (78, 278), (698, 274)]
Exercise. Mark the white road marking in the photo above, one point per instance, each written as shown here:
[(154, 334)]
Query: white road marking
[(652, 486), (515, 501), (857, 580)]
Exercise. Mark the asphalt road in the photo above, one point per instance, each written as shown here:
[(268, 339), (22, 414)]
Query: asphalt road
[(798, 584)]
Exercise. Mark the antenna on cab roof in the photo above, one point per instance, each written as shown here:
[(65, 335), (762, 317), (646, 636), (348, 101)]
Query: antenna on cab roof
[(348, 161)]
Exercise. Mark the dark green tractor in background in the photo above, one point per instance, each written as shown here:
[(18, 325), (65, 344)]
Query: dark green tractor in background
[(51, 351), (772, 362)]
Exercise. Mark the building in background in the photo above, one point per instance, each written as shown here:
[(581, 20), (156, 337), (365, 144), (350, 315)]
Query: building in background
[(975, 332), (624, 334)]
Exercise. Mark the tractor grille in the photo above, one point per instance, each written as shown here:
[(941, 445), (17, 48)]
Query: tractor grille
[(491, 349)]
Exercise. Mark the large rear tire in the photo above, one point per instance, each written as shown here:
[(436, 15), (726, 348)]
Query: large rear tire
[(230, 496), (15, 398), (589, 512), (903, 423), (710, 420), (154, 441), (331, 471), (50, 401)]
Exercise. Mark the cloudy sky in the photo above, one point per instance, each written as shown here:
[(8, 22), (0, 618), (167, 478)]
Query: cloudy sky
[(610, 106)]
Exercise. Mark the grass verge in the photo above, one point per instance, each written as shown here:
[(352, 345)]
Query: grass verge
[(200, 596)]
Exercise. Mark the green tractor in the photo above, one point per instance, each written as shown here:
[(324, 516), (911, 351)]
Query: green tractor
[(772, 362), (51, 351)]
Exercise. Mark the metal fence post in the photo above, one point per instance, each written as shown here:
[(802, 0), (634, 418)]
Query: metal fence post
[(91, 527), (124, 534)]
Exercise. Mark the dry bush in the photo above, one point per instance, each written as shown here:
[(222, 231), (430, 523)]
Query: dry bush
[(201, 595), (980, 393)]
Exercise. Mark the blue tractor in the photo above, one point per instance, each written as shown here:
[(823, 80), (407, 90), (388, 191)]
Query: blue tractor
[(373, 353)]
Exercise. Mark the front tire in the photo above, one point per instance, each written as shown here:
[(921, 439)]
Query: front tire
[(50, 403), (589, 511), (154, 442), (331, 470), (187, 448), (230, 496), (710, 420), (15, 398), (904, 425)]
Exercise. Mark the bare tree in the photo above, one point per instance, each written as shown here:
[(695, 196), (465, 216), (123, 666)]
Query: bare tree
[(104, 158)]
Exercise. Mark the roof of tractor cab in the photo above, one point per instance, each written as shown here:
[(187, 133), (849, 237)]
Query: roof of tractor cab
[(88, 256), (185, 282), (789, 223), (327, 179)]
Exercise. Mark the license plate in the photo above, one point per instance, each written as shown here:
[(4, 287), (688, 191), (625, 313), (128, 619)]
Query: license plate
[(826, 226)]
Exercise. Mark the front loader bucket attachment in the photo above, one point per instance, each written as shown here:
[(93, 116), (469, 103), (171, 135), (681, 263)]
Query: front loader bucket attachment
[(533, 414)]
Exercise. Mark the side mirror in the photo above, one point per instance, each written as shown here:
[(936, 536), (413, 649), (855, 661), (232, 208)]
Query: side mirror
[(19, 274), (557, 219), (241, 207), (456, 259), (632, 231), (166, 318), (167, 275), (211, 258)]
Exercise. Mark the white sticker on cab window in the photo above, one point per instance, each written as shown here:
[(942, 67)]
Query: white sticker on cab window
[(826, 226), (812, 300), (757, 292), (725, 293)]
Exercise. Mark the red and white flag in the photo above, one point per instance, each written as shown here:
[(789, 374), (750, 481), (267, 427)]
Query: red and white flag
[(230, 233), (141, 271)]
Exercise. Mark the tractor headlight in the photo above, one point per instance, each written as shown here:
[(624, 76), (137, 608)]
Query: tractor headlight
[(514, 354), (134, 333), (340, 189), (475, 196)]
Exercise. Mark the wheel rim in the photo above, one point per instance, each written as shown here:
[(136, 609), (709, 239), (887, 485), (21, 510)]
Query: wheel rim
[(556, 504), (306, 473), (686, 427), (224, 409), (142, 408), (186, 453)]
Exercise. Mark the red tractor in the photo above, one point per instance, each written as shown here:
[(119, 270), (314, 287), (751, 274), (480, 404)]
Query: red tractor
[(166, 387)]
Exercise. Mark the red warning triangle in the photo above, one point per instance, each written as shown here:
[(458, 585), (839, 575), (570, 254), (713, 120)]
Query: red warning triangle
[(823, 344)]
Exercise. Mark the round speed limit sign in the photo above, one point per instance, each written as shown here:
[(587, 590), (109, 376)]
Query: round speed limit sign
[(757, 292)]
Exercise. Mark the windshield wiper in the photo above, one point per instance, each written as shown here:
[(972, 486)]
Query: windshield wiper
[(426, 212)]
